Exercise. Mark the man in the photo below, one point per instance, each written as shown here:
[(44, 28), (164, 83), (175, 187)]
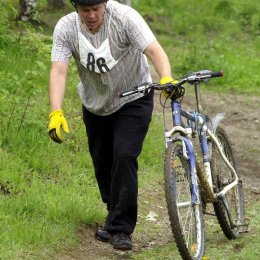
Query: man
[(109, 42)]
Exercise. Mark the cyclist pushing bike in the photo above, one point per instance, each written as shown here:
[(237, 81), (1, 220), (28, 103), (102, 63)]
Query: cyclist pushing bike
[(109, 43)]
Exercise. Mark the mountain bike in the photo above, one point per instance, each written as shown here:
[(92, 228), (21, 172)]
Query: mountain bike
[(193, 177)]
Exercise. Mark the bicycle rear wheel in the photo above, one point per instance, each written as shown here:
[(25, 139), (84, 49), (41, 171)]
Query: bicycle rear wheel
[(186, 218), (222, 176)]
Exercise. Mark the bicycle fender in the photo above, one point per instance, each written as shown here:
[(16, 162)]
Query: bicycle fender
[(216, 120)]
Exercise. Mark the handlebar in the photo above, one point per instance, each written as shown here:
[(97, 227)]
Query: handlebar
[(202, 76), (192, 78), (217, 74)]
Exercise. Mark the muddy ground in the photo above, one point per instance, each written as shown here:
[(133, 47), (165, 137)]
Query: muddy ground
[(242, 125)]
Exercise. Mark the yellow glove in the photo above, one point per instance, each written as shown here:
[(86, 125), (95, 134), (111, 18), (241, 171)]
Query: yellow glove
[(165, 80), (57, 121)]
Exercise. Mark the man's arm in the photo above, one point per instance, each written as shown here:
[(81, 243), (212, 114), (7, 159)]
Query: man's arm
[(160, 60), (58, 79)]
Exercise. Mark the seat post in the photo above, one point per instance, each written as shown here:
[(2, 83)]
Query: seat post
[(198, 97)]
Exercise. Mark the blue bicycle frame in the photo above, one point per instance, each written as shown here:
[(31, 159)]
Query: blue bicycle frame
[(188, 151)]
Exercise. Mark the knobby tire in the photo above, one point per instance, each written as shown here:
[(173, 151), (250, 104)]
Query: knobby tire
[(187, 222), (221, 176)]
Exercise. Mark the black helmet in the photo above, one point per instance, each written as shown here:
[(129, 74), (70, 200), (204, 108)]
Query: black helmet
[(86, 2)]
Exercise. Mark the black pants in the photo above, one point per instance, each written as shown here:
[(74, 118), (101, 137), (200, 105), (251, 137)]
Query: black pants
[(115, 141)]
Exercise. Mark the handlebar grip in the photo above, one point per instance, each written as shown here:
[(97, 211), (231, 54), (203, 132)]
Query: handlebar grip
[(217, 74)]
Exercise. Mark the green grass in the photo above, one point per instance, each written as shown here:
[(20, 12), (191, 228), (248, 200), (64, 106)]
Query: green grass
[(217, 246), (48, 190), (219, 35)]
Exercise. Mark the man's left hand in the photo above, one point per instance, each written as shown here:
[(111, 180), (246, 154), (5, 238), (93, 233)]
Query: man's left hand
[(165, 80)]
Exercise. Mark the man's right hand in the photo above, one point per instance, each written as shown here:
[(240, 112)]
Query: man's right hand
[(57, 122)]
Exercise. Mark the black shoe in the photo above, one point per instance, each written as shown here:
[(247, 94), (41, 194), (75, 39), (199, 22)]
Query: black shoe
[(121, 241), (102, 235)]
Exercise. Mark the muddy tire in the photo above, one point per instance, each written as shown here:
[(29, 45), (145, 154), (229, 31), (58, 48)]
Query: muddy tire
[(222, 176), (186, 218)]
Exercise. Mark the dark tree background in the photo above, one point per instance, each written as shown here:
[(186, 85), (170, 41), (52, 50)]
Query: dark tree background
[(56, 4), (28, 10)]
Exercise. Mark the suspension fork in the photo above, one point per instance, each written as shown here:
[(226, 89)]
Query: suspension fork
[(205, 155), (188, 152)]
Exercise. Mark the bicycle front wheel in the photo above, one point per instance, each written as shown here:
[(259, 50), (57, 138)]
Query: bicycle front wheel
[(231, 215), (186, 218)]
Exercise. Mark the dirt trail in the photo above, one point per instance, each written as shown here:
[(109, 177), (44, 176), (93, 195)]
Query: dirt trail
[(242, 115)]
